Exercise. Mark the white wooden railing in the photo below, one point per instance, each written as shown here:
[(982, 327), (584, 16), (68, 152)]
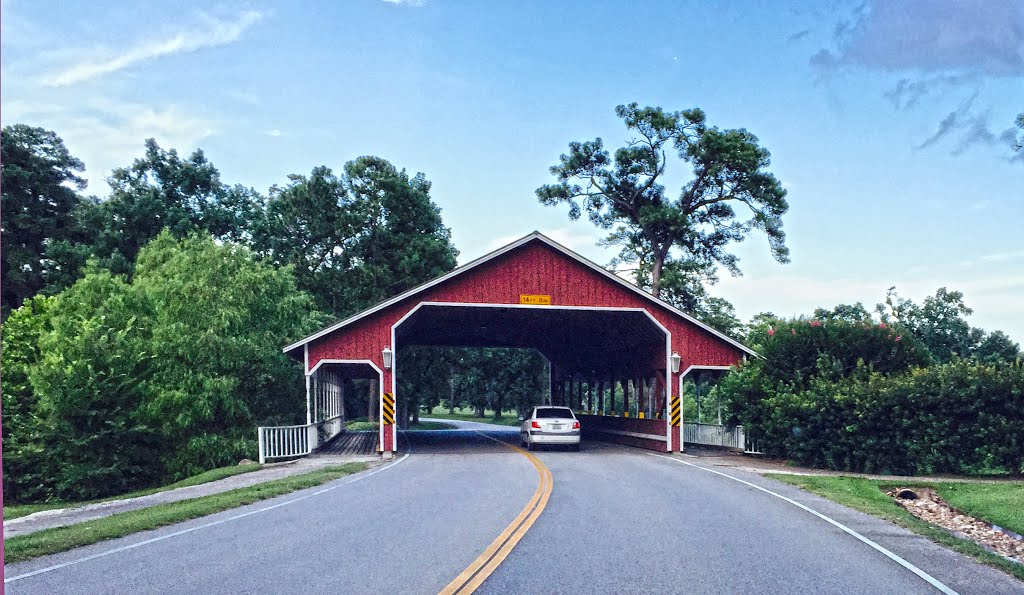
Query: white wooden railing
[(281, 442), (715, 435)]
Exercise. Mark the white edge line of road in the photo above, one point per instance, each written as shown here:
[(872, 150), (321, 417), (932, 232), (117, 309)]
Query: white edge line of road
[(132, 546), (889, 554)]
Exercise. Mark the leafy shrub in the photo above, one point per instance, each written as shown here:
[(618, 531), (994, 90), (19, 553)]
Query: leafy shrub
[(25, 460), (91, 382), (960, 417), (115, 385)]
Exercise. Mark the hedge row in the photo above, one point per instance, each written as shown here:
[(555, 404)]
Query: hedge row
[(961, 417)]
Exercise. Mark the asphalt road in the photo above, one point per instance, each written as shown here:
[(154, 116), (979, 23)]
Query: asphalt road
[(619, 520)]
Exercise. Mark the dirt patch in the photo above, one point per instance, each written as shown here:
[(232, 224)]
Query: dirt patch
[(926, 505)]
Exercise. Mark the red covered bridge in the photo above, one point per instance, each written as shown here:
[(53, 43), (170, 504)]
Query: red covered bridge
[(594, 328)]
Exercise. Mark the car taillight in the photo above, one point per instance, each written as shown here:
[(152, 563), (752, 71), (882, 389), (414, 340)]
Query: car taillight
[(575, 425), (535, 424)]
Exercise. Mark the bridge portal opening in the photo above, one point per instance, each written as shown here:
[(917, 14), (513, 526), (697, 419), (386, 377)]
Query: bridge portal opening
[(604, 363)]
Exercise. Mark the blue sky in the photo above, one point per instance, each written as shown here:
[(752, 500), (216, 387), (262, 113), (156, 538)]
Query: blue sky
[(888, 122)]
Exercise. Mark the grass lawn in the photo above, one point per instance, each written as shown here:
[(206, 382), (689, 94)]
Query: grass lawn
[(59, 539), (360, 424), (999, 503), (431, 425), (507, 418), (13, 511)]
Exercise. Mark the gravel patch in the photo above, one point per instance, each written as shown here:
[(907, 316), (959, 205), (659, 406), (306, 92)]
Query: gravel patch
[(926, 505)]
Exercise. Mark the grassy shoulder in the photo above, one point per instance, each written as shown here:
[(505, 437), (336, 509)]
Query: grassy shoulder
[(59, 539), (988, 501), (13, 511)]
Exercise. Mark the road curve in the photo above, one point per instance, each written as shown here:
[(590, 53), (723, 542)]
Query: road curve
[(410, 528), (618, 520)]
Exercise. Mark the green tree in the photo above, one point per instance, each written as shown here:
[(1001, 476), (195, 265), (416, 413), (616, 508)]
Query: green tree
[(498, 378), (1020, 124), (624, 193), (720, 314), (940, 322), (220, 316), (402, 241), (683, 282), (424, 379), (958, 417), (459, 369), (356, 239), (92, 381), (26, 463), (848, 312), (162, 190), (40, 179), (308, 225), (997, 346), (68, 255), (522, 379)]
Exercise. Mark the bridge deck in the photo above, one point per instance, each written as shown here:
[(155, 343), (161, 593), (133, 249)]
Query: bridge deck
[(351, 443)]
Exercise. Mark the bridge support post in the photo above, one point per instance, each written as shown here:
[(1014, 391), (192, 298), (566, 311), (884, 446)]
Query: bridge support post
[(388, 412)]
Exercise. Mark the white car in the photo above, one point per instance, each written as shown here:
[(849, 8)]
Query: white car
[(550, 425)]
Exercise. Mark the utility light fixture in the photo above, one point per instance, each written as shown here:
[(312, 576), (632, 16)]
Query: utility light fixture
[(388, 357), (675, 362)]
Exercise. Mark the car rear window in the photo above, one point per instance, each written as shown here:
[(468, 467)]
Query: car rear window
[(545, 412)]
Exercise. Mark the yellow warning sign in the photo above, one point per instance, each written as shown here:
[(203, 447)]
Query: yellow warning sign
[(675, 412), (389, 408), (535, 300)]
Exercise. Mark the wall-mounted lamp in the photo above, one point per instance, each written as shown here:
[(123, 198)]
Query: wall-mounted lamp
[(388, 357), (675, 362)]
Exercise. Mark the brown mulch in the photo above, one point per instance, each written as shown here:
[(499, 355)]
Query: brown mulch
[(929, 507)]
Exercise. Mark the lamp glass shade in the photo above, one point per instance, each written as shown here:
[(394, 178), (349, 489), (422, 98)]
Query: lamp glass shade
[(675, 362), (388, 357)]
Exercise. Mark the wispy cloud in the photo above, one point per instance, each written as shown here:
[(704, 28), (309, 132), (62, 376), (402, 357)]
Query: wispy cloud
[(798, 35), (928, 36), (909, 92), (273, 132), (972, 127), (405, 2), (211, 32), (106, 134)]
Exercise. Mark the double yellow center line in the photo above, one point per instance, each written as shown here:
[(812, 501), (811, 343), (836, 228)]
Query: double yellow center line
[(492, 557)]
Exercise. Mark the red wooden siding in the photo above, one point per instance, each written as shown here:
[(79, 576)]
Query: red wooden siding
[(534, 268)]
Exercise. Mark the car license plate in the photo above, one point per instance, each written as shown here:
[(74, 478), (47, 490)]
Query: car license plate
[(556, 426)]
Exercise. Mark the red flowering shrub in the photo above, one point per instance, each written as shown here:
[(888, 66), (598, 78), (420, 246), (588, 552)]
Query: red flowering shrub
[(833, 349)]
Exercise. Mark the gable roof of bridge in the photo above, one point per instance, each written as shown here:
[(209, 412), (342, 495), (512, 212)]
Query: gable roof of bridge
[(535, 236)]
